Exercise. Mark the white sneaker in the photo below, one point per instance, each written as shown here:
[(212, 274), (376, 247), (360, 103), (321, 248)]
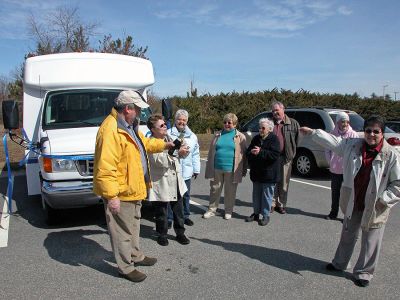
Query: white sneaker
[(228, 216), (208, 214)]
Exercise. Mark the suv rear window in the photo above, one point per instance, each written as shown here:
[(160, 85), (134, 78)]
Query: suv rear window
[(253, 124), (307, 118)]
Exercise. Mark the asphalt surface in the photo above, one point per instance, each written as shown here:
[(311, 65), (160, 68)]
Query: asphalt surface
[(226, 259)]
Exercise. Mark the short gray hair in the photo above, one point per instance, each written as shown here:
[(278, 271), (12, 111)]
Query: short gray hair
[(267, 121), (181, 112), (275, 102)]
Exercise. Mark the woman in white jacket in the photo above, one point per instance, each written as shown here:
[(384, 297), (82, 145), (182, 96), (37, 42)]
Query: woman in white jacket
[(168, 185), (371, 186)]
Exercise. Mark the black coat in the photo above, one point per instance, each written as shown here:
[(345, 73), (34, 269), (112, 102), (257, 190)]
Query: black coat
[(264, 167)]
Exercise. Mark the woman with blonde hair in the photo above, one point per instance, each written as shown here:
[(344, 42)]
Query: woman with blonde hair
[(226, 165)]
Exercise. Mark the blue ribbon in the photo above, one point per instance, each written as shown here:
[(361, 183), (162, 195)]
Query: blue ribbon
[(10, 185), (32, 148)]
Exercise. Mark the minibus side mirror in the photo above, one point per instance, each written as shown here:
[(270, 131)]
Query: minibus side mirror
[(10, 114)]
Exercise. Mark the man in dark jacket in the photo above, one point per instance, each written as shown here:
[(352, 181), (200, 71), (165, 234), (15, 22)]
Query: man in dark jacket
[(263, 157), (287, 131)]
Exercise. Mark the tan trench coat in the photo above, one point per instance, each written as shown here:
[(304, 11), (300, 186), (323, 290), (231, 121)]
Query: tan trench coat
[(240, 160), (166, 176)]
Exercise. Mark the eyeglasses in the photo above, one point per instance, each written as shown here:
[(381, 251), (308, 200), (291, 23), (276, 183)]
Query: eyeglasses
[(263, 128), (375, 131), (228, 122)]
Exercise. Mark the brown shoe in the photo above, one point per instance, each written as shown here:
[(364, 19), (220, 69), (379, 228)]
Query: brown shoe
[(134, 276), (147, 262)]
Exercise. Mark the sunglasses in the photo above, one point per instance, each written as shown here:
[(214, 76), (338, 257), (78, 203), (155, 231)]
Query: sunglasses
[(263, 128), (162, 125), (228, 122), (369, 131)]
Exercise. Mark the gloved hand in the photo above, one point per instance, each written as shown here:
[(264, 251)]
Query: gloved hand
[(195, 175)]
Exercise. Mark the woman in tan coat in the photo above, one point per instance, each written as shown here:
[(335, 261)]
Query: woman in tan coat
[(226, 165), (168, 185)]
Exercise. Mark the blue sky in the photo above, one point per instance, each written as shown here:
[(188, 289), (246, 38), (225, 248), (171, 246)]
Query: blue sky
[(326, 46)]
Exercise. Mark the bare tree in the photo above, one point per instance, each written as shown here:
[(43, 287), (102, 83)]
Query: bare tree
[(4, 81), (61, 31)]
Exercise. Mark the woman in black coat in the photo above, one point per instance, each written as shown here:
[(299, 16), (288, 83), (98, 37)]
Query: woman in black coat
[(263, 158)]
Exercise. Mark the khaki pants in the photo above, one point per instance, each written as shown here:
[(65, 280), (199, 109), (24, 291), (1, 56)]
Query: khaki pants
[(371, 242), (221, 179), (282, 187), (124, 229)]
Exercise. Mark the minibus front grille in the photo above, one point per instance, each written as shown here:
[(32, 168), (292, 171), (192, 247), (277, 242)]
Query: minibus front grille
[(85, 167)]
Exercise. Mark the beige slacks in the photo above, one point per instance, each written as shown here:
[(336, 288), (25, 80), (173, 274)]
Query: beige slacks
[(222, 179), (124, 229), (282, 187), (371, 242)]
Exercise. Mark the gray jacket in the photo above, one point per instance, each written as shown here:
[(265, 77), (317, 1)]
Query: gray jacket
[(384, 184), (291, 136)]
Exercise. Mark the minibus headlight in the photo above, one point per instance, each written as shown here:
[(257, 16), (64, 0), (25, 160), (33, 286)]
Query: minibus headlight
[(51, 165), (63, 165)]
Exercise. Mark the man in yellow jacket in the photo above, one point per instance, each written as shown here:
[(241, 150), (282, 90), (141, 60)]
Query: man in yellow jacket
[(121, 177)]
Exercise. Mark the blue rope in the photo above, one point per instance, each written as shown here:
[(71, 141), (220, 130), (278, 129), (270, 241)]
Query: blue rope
[(10, 184), (32, 148)]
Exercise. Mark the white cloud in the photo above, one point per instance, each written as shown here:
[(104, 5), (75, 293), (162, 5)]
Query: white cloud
[(258, 18), (343, 10), (14, 13)]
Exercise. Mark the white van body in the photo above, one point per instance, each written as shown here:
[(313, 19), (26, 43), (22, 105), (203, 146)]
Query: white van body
[(66, 97)]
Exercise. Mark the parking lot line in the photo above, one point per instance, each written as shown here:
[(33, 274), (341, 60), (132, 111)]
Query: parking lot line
[(198, 205), (312, 184), (4, 224)]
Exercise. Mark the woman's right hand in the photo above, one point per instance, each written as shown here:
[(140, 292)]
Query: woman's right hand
[(255, 150), (183, 151)]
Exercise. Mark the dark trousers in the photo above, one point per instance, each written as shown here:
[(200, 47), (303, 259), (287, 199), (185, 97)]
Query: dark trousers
[(336, 184), (161, 213), (186, 203)]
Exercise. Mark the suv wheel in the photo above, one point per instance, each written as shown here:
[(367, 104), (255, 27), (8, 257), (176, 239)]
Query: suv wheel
[(304, 163)]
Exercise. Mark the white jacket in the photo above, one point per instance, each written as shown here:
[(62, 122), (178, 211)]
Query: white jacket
[(166, 176), (384, 184), (191, 163)]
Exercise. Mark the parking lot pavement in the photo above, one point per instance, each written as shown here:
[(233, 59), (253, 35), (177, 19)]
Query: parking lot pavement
[(226, 259)]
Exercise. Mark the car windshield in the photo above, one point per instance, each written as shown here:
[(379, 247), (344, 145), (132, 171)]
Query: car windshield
[(80, 108), (357, 122)]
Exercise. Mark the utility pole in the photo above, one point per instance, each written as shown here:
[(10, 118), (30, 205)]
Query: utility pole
[(384, 86), (395, 93)]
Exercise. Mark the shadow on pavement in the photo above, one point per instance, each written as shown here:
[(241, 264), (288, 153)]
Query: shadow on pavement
[(297, 211), (30, 209), (75, 248), (281, 259)]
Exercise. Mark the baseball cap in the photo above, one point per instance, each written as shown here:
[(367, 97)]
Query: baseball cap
[(130, 97)]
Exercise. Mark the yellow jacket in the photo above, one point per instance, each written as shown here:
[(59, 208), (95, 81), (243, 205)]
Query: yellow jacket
[(118, 170)]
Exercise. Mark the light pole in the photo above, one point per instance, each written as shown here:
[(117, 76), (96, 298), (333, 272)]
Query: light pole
[(384, 86), (395, 93)]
